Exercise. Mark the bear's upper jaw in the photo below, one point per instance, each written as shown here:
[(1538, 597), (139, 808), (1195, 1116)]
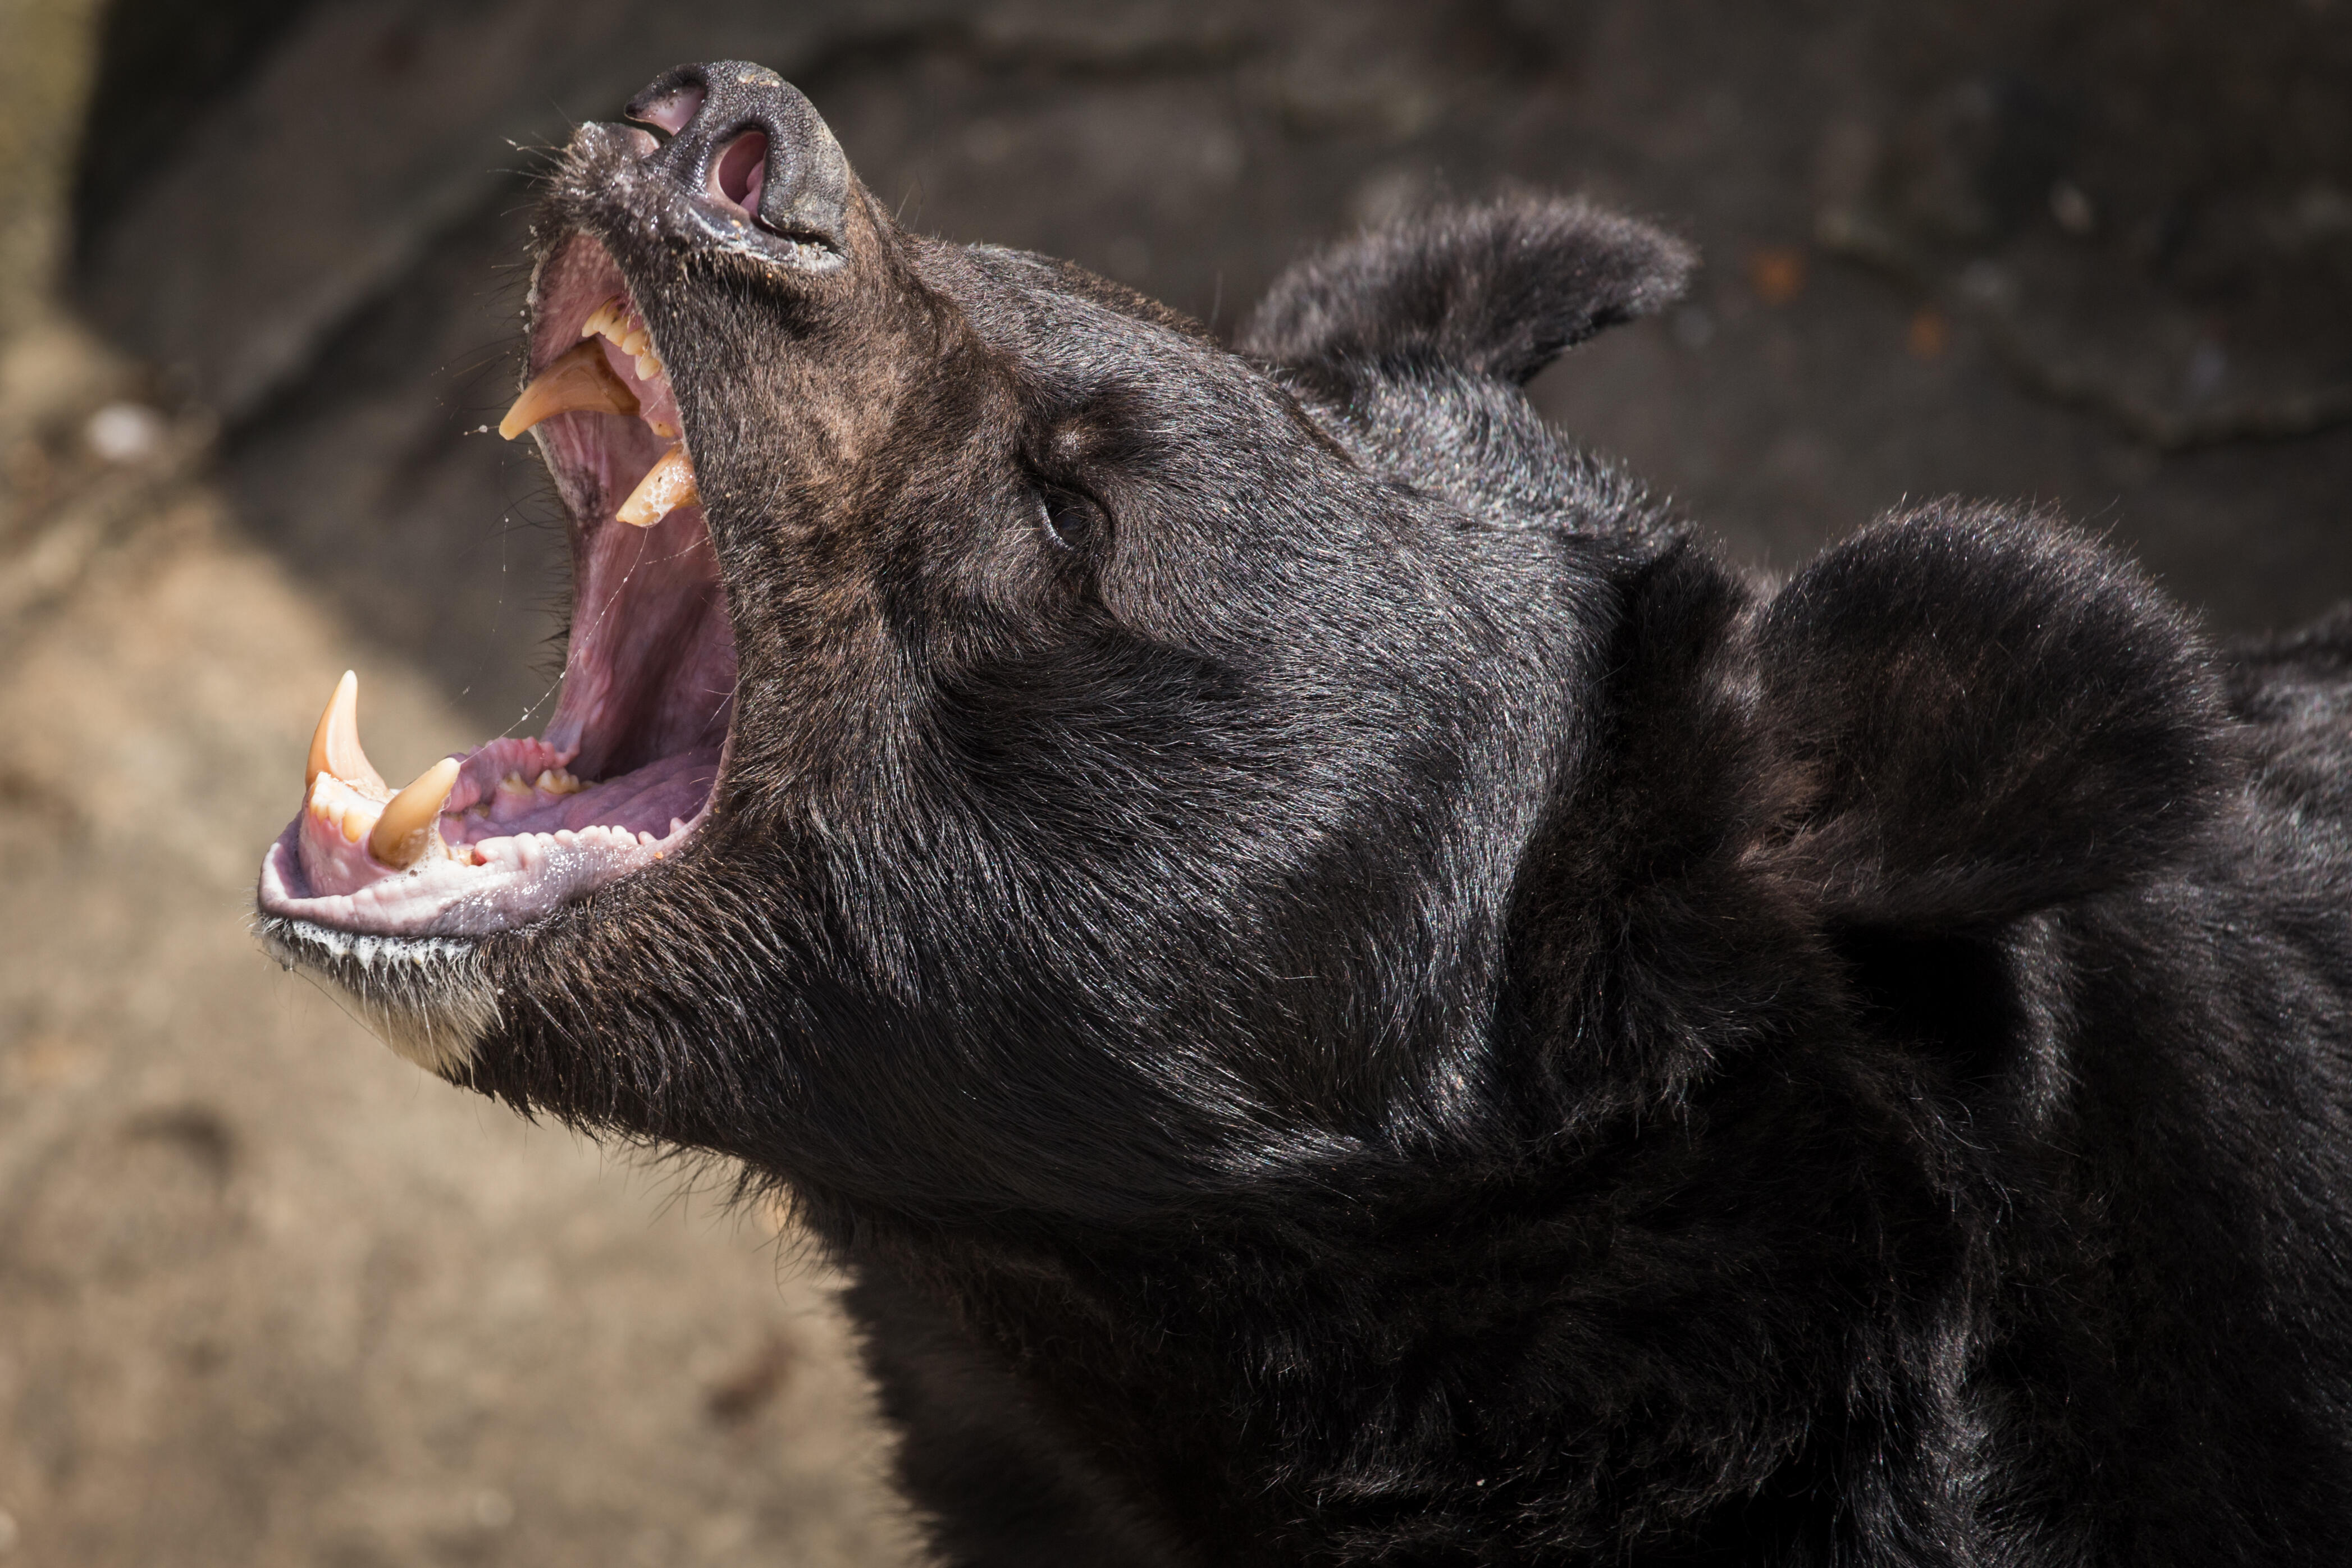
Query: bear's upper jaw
[(513, 830)]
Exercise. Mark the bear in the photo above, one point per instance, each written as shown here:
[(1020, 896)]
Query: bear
[(1342, 988)]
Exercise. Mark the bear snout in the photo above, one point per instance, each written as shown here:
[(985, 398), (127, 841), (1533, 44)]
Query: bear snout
[(742, 138)]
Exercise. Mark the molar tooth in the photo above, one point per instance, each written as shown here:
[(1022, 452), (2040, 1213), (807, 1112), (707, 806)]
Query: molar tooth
[(668, 485), (648, 368), (635, 341), (335, 742), (404, 830), (579, 378)]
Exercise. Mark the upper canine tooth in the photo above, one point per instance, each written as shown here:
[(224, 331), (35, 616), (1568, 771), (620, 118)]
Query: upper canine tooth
[(579, 378), (335, 742), (667, 485), (404, 831)]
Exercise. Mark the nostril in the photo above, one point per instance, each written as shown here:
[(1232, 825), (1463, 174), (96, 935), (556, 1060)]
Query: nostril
[(670, 111), (742, 171)]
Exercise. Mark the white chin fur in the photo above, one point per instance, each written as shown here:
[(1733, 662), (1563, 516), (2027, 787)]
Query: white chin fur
[(425, 996)]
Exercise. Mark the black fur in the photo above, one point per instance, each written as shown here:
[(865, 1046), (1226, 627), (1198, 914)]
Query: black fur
[(1498, 290), (1363, 999)]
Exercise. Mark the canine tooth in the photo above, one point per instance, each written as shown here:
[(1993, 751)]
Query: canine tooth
[(404, 830), (335, 742), (667, 485), (580, 378)]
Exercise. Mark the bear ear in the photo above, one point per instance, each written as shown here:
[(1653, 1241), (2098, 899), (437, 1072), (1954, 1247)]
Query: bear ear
[(1987, 717), (1499, 289)]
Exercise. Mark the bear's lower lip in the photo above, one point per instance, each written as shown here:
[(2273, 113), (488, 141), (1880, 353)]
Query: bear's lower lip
[(625, 769)]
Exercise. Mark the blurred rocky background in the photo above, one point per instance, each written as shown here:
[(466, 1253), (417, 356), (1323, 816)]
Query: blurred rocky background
[(266, 1295)]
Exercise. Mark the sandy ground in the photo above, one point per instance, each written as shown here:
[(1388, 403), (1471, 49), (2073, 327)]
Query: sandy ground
[(270, 1296)]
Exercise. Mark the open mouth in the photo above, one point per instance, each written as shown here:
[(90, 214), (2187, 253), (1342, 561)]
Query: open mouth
[(623, 772)]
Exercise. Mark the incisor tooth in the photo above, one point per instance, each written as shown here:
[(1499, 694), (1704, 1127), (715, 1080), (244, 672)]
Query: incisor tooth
[(580, 378), (667, 485), (335, 744), (605, 320), (404, 830)]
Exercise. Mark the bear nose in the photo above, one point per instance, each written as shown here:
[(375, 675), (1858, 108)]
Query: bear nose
[(742, 137)]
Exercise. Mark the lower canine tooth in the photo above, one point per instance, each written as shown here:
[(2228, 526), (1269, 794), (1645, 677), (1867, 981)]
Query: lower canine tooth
[(667, 485), (404, 831), (335, 742)]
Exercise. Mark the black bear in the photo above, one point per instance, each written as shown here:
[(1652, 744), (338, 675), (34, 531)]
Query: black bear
[(1343, 989)]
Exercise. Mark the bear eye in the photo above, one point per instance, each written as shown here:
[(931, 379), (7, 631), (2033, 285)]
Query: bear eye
[(1072, 519)]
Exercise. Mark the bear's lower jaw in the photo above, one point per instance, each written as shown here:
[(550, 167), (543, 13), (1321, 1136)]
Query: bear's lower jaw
[(427, 998), (506, 835)]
